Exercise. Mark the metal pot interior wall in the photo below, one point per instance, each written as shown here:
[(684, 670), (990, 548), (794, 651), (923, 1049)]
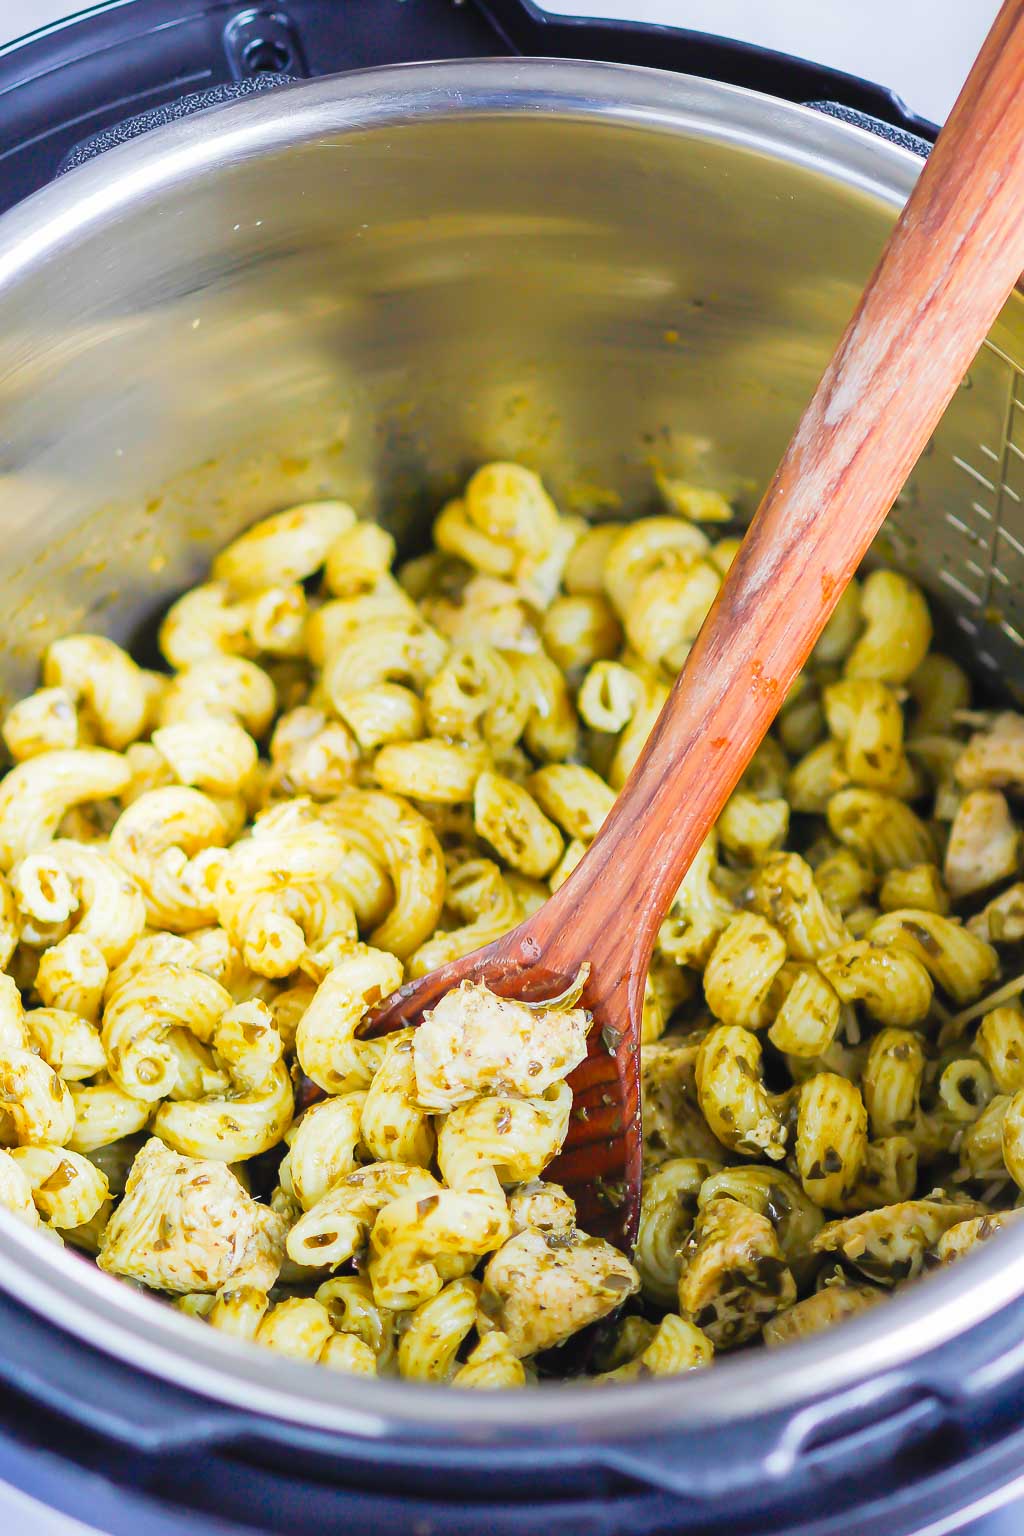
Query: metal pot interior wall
[(372, 313)]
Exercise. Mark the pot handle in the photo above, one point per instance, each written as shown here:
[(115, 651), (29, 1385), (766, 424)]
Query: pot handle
[(825, 1440), (875, 125), (169, 112)]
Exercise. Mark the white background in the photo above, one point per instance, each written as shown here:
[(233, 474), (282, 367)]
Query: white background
[(920, 48)]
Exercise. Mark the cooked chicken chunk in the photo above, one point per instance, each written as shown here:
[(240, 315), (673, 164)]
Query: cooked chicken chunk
[(539, 1288), (833, 1304), (968, 1235), (984, 844), (732, 1273), (474, 1043), (889, 1244), (994, 759), (186, 1224)]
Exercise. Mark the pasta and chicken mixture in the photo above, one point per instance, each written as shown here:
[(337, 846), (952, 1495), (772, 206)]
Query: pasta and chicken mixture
[(349, 775)]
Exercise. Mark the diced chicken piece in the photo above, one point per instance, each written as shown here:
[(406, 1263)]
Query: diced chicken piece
[(474, 1043), (733, 1277), (186, 1224), (831, 1305), (967, 1235), (994, 759), (984, 844), (889, 1244), (541, 1288)]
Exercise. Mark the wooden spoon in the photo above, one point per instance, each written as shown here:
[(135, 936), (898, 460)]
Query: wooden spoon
[(948, 267)]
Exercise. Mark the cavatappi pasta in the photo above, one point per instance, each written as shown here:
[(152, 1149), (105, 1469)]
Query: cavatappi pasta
[(352, 772)]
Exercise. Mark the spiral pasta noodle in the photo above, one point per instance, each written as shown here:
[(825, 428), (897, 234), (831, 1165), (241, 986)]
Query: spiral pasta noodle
[(352, 772)]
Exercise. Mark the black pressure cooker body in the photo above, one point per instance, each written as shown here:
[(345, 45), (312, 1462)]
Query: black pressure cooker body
[(911, 1452)]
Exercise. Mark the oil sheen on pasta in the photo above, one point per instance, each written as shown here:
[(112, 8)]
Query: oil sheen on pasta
[(349, 774)]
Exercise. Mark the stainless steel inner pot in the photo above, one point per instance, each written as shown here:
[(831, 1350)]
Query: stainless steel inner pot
[(365, 286)]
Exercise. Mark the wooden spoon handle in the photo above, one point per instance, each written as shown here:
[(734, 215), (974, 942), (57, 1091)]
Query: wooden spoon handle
[(946, 271)]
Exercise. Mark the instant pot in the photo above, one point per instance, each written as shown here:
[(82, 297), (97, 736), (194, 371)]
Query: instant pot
[(364, 283)]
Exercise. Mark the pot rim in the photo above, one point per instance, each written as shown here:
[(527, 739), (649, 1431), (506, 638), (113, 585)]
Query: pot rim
[(138, 1329)]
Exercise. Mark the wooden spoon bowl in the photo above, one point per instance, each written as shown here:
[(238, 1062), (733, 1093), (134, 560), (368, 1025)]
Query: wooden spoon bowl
[(600, 1164)]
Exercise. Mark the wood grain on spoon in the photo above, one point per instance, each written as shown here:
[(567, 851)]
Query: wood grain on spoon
[(948, 267)]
